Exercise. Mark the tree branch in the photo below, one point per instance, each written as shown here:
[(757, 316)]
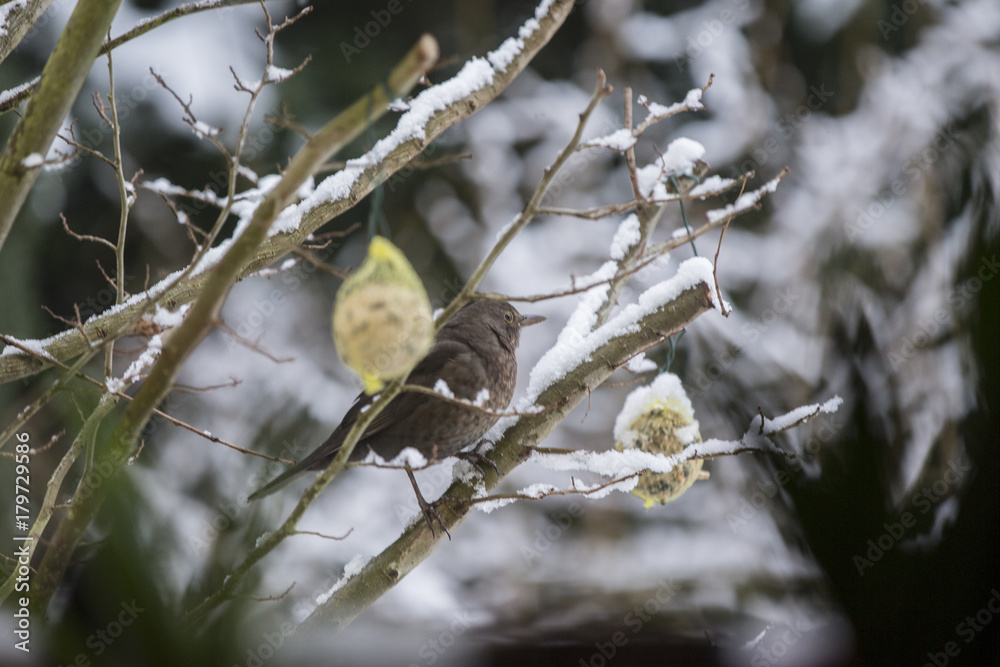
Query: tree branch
[(60, 83), (315, 211)]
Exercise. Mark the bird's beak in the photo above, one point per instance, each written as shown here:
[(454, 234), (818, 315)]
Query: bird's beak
[(528, 320)]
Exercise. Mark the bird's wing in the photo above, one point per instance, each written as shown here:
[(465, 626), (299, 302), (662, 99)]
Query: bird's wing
[(439, 362), (444, 359)]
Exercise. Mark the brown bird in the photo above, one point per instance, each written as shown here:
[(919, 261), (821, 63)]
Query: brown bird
[(474, 351)]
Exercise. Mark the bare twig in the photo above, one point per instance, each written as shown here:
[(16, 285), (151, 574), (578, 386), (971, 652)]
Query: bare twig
[(233, 382), (84, 237), (325, 537), (471, 404), (630, 152), (715, 270), (319, 264), (251, 345), (269, 598), (601, 90)]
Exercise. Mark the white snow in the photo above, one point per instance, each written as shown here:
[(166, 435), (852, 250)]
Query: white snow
[(16, 90), (619, 140), (692, 101), (537, 490), (679, 158), (681, 155), (143, 363), (408, 457), (576, 342), (666, 387), (277, 74), (5, 11), (482, 396), (505, 53), (441, 387), (204, 130), (353, 567), (487, 506), (474, 75), (614, 464), (626, 237), (640, 364), (790, 419), (169, 319), (32, 161), (37, 347), (746, 201), (713, 184)]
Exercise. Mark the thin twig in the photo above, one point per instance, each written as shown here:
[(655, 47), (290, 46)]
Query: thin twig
[(319, 264), (601, 90), (715, 270), (325, 537), (84, 237), (630, 152), (471, 405), (251, 345)]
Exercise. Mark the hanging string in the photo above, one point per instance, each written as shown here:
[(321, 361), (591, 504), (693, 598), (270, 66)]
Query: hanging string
[(684, 218), (674, 340), (671, 352), (378, 224)]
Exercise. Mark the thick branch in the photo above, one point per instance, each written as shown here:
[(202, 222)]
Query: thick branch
[(61, 80), (72, 342), (36, 7), (20, 18)]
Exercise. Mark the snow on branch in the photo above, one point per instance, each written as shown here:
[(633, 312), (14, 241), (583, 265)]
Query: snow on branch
[(624, 467), (440, 107)]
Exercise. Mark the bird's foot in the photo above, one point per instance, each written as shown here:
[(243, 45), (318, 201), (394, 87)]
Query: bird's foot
[(430, 514), (478, 459)]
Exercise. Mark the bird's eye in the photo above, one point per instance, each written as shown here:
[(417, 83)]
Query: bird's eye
[(509, 316)]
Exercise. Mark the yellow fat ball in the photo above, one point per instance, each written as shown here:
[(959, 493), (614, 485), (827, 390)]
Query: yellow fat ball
[(382, 320), (659, 419)]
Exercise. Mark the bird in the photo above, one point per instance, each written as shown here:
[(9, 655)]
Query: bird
[(474, 351)]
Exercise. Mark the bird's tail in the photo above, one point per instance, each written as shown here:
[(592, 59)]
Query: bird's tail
[(282, 480)]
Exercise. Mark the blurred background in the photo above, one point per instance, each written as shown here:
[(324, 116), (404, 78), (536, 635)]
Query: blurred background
[(869, 274)]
